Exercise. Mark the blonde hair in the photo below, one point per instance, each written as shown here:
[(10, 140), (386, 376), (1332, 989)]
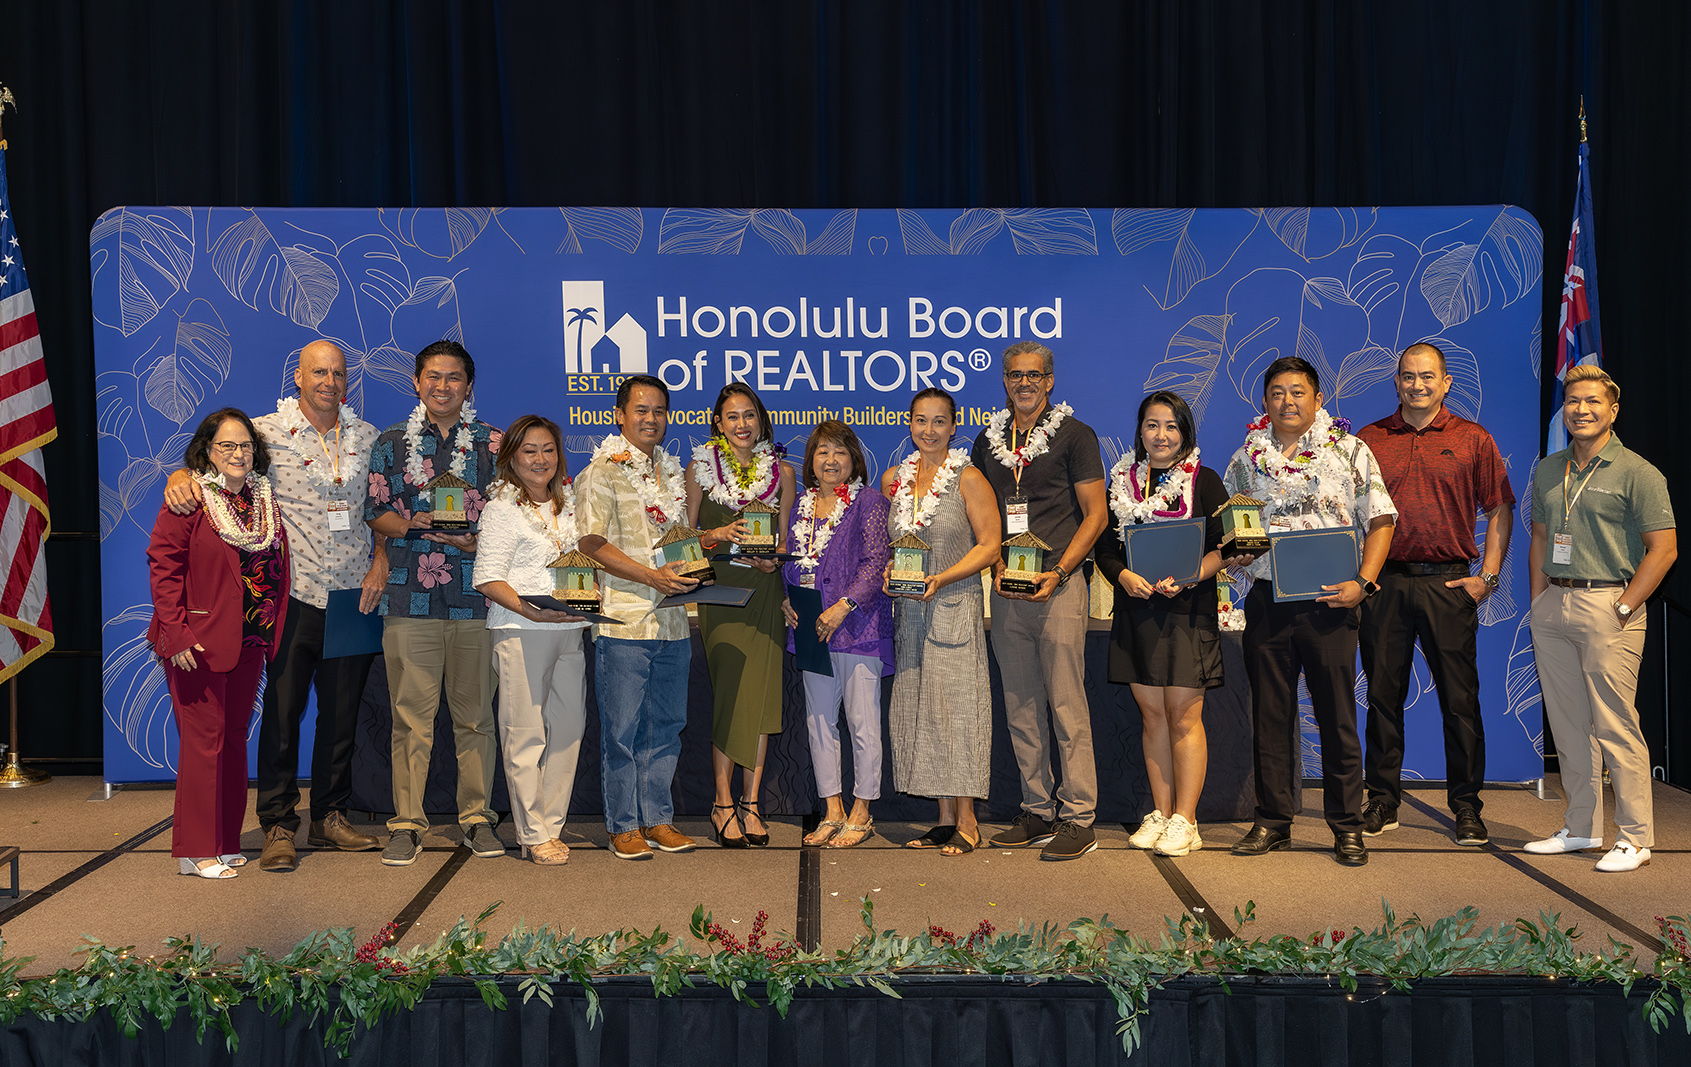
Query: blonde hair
[(1587, 372)]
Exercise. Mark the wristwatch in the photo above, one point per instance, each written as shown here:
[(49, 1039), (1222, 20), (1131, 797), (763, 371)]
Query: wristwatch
[(1368, 588), (850, 603), (1489, 579), (1062, 574), (1623, 610)]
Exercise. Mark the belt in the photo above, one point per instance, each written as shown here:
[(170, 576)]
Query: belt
[(1398, 566), (1585, 583)]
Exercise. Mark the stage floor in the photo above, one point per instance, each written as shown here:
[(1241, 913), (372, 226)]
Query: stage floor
[(102, 869)]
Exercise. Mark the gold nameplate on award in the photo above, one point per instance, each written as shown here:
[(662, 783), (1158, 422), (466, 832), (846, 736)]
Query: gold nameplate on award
[(681, 545), (909, 574), (450, 495), (1024, 562), (1241, 526), (759, 539), (575, 582)]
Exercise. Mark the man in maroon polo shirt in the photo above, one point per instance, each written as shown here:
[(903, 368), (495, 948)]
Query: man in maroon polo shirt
[(1442, 471)]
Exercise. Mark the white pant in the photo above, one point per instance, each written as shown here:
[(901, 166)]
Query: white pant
[(858, 680), (542, 713)]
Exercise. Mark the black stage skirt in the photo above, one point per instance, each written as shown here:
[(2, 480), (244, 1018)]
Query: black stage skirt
[(1162, 643)]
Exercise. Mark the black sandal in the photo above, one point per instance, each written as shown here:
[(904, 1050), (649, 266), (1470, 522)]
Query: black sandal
[(747, 806), (934, 838), (727, 842), (961, 843)]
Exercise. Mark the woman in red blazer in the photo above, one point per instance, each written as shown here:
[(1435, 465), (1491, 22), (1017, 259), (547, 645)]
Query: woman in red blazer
[(220, 594)]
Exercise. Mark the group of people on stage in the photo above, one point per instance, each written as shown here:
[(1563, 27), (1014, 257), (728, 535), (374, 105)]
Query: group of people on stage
[(272, 514)]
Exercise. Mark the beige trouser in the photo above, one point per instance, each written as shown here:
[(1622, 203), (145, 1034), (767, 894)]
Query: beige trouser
[(1588, 671), (1041, 653), (542, 713), (420, 655)]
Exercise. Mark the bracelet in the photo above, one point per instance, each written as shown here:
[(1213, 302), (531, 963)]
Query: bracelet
[(1062, 574)]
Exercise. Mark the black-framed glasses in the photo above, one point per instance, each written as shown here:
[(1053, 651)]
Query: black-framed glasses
[(1033, 377), (230, 448)]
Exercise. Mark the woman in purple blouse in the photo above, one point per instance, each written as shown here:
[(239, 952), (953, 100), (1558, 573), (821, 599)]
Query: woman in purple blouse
[(839, 534)]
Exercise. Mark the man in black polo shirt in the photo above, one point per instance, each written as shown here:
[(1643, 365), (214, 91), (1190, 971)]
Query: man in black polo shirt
[(1044, 469)]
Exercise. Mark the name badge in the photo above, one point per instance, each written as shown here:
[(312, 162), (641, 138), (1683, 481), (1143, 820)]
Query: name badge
[(340, 516), (1562, 551), (1016, 515)]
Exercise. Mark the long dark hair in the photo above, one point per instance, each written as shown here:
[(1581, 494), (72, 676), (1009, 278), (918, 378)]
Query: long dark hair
[(740, 389), (834, 432), (1182, 421), (197, 456), (505, 463)]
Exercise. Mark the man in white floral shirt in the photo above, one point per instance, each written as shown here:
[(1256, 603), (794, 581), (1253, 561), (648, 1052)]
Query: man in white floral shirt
[(1311, 474)]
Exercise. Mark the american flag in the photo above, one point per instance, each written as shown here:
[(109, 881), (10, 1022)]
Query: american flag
[(26, 423), (1578, 337)]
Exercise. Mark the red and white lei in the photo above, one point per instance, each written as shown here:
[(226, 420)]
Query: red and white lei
[(266, 519), (657, 478), (1038, 440), (731, 484), (823, 532), (462, 442), (352, 450), (1298, 478), (560, 528), (1132, 505), (910, 514)]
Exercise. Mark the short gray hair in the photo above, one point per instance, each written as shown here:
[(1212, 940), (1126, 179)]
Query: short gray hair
[(1025, 348)]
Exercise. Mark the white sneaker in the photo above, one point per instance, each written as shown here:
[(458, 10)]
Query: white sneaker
[(1150, 831), (1623, 857), (1180, 838), (1561, 841)]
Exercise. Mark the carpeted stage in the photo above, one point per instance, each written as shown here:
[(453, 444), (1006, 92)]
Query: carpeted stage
[(102, 869)]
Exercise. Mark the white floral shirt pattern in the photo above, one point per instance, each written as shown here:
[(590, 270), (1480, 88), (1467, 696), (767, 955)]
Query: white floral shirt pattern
[(607, 504), (322, 559)]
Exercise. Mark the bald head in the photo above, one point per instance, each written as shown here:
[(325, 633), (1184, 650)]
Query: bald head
[(321, 377)]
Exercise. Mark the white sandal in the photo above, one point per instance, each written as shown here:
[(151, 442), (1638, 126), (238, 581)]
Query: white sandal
[(211, 867), (233, 859)]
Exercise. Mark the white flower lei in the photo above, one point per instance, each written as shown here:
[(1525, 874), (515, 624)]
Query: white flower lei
[(657, 478), (351, 449), (1172, 500), (266, 518), (817, 542), (909, 514), (1298, 478), (462, 442), (711, 462), (565, 536), (1038, 440)]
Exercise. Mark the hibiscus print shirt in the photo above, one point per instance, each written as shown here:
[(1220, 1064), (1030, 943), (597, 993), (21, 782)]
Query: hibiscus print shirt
[(427, 579)]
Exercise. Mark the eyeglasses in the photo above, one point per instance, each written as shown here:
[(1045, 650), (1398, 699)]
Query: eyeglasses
[(1033, 377), (230, 448)]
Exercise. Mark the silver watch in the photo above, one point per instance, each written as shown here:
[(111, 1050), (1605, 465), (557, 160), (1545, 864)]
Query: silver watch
[(1623, 610), (1489, 579)]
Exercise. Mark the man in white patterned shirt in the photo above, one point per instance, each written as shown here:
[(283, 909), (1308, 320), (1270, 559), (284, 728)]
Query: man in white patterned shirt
[(319, 464), (1312, 474)]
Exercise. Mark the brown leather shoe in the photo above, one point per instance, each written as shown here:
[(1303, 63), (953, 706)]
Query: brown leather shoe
[(336, 832), (278, 856), (630, 845), (666, 838)]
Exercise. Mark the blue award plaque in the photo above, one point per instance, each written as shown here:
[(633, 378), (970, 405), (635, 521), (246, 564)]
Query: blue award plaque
[(1305, 560), (1158, 550)]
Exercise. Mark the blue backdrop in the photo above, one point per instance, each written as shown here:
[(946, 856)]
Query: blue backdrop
[(838, 314)]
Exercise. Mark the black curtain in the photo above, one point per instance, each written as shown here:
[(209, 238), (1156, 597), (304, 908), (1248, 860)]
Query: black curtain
[(874, 103)]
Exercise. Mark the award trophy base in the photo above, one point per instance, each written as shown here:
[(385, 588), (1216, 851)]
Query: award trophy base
[(578, 605), (1244, 545), (1023, 582), (906, 583), (700, 569)]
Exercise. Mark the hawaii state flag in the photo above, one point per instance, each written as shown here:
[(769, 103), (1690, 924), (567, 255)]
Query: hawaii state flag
[(1579, 339), (26, 423)]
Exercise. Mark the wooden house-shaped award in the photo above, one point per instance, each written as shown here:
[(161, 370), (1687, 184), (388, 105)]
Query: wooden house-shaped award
[(575, 581), (1241, 526), (759, 518), (681, 545), (909, 574), (450, 495), (1024, 562)]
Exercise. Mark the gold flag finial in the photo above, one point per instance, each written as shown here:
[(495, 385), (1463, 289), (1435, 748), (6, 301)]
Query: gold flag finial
[(1581, 120), (6, 100)]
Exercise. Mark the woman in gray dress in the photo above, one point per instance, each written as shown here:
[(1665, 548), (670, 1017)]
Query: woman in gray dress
[(941, 716)]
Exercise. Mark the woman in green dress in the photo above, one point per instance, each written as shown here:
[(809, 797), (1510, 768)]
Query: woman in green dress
[(736, 469)]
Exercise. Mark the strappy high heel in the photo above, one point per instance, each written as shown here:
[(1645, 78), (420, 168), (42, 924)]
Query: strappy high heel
[(745, 806), (721, 838), (210, 867)]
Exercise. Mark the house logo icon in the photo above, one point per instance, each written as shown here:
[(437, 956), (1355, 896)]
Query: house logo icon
[(592, 347)]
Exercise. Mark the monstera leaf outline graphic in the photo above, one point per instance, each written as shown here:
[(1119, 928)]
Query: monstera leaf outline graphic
[(620, 227), (722, 231), (1189, 363), (1033, 232), (439, 233), (1523, 699), (177, 383), (1196, 253), (153, 255), (1313, 233), (294, 280), (1506, 262)]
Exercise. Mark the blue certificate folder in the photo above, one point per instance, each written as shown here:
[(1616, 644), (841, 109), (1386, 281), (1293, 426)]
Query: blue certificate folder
[(810, 650), (348, 631), (1305, 560), (1158, 550), (729, 596)]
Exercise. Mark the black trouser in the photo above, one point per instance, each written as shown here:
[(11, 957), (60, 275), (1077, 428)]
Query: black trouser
[(1282, 640), (1410, 608), (340, 688)]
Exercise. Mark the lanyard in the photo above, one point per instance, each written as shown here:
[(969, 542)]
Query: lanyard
[(333, 455), (1016, 471), (1567, 502)]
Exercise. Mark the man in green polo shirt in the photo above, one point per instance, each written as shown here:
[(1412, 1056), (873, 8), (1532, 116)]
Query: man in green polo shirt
[(1602, 539)]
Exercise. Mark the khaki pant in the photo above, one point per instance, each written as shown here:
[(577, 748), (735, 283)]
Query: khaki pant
[(542, 713), (421, 654), (1041, 652), (1588, 671)]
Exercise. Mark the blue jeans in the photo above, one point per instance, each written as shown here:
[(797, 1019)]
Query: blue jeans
[(642, 692)]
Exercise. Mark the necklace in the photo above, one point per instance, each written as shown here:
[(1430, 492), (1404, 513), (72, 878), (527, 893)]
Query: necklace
[(462, 442), (1172, 500), (1298, 478), (911, 514), (347, 454), (715, 467), (257, 531), (557, 526), (1038, 439), (823, 532), (657, 478)]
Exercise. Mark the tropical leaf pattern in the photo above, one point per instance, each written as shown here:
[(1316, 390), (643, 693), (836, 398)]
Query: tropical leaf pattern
[(1195, 253), (1505, 264), (148, 254), (1032, 232), (620, 227), (294, 280)]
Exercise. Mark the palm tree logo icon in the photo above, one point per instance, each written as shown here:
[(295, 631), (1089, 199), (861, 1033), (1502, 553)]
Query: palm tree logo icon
[(579, 318)]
